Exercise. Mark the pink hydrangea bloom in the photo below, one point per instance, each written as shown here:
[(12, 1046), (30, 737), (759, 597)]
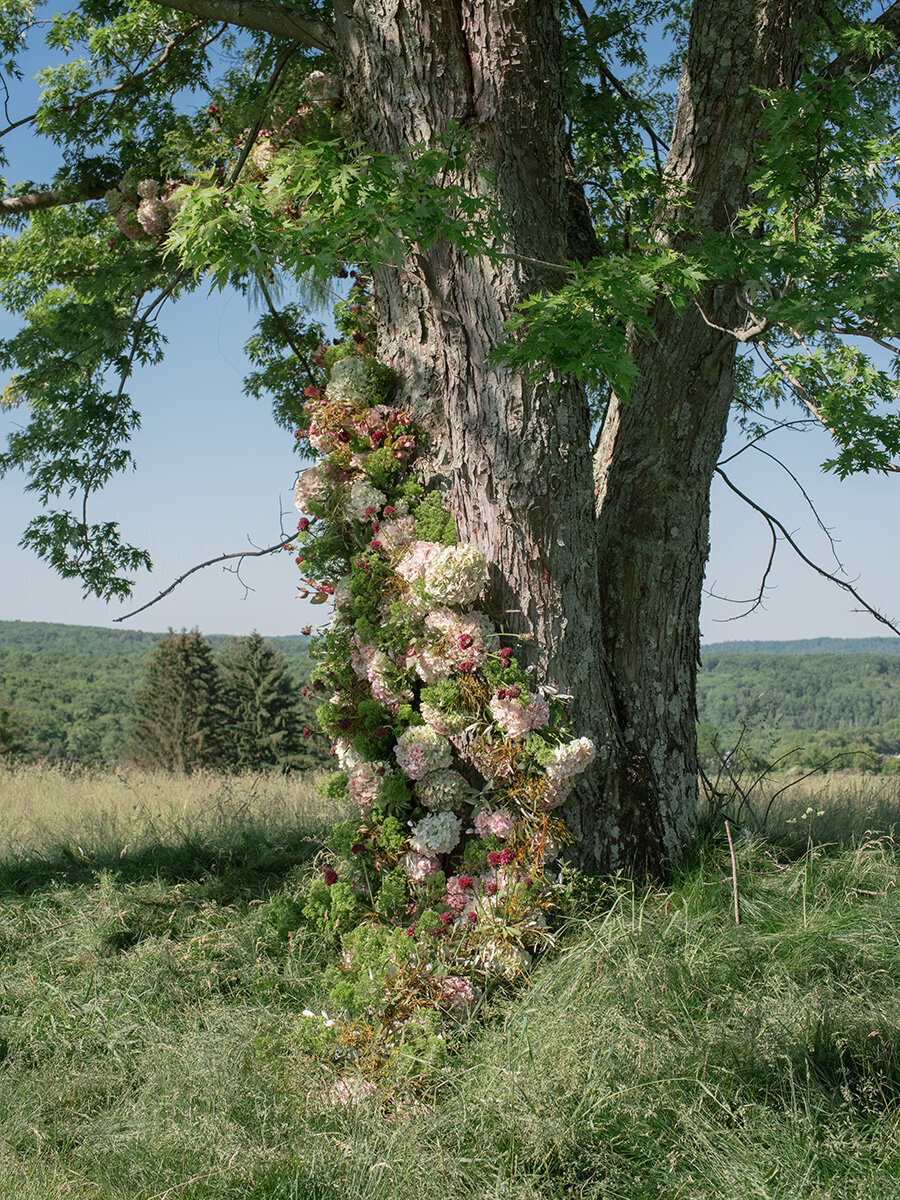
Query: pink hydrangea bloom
[(515, 719), (415, 561), (419, 867), (363, 783), (420, 750), (310, 486), (497, 822), (397, 534), (457, 638), (457, 994)]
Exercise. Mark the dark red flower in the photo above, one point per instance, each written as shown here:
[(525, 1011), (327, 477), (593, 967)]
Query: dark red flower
[(312, 391), (465, 641), (467, 668), (303, 524), (514, 692), (379, 731), (306, 732), (464, 881), (329, 875), (495, 858), (375, 545), (506, 857), (357, 848), (506, 653)]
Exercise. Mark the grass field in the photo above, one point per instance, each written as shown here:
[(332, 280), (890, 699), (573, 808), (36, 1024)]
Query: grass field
[(151, 1021)]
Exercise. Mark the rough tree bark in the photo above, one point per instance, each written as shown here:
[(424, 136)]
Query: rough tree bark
[(610, 590)]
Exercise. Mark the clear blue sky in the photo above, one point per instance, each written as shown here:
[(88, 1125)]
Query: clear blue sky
[(214, 471)]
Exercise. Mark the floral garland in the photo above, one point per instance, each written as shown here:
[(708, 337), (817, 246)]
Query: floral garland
[(453, 759)]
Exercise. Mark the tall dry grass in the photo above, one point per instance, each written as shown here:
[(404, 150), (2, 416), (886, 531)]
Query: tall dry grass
[(97, 811)]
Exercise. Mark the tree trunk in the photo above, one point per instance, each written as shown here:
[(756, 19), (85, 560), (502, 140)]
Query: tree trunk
[(609, 593)]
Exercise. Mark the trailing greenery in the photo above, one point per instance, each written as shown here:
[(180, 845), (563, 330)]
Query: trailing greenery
[(159, 1008)]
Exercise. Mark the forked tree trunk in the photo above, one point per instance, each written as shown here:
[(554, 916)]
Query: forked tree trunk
[(609, 593)]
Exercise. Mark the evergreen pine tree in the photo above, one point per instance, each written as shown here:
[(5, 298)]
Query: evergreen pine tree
[(266, 722), (178, 716)]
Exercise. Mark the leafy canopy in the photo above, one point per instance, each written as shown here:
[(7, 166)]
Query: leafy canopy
[(141, 93)]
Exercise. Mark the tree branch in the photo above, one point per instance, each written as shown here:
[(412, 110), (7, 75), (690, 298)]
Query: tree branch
[(656, 141), (862, 64), (35, 201), (210, 562), (841, 583), (257, 14)]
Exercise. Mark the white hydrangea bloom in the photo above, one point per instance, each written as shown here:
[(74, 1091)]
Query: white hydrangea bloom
[(348, 381), (457, 576), (363, 496), (443, 790), (348, 757), (437, 833), (567, 762)]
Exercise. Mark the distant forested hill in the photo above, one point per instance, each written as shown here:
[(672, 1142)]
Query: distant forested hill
[(804, 691), (71, 686), (872, 645)]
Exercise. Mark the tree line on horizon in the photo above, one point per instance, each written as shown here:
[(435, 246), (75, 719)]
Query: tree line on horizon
[(241, 708), (67, 693)]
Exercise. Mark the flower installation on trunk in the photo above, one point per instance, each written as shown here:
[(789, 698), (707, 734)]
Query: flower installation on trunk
[(452, 759)]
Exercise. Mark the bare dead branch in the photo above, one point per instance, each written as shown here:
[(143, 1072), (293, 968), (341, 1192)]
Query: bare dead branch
[(747, 334), (802, 423), (756, 601), (812, 508), (257, 14), (841, 583), (210, 562)]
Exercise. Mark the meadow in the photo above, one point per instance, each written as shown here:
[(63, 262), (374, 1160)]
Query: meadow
[(155, 976)]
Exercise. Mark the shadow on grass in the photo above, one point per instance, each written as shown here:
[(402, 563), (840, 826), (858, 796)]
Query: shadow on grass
[(229, 860)]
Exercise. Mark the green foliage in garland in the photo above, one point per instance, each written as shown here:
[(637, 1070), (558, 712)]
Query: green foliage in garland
[(433, 522)]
